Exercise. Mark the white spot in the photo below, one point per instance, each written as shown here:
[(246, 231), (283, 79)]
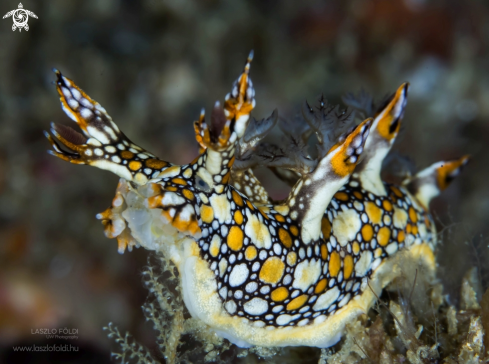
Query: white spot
[(363, 264), (238, 275), (97, 134), (400, 218), (256, 266), (287, 279), (257, 231), (73, 103), (223, 264), (114, 168), (345, 300), (215, 245), (303, 322), (256, 306), (99, 152), (223, 292), (346, 226), (422, 230), (85, 102), (251, 287), (224, 248), (172, 199), (327, 299), (221, 207), (278, 309), (306, 274), (286, 319), (391, 248), (76, 94), (248, 191), (333, 241), (94, 142), (169, 172), (320, 319), (187, 173), (86, 113), (376, 263), (277, 248), (186, 213), (358, 205), (230, 307), (110, 131)]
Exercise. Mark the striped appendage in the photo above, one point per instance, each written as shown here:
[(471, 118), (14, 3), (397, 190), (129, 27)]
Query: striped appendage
[(102, 144)]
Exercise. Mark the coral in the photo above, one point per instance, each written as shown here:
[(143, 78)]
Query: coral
[(392, 333), (132, 352), (164, 308)]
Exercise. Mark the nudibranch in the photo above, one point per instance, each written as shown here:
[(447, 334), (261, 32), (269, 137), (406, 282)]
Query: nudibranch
[(259, 272)]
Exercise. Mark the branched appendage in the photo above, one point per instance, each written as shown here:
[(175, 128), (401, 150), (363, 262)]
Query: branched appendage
[(228, 123), (102, 144), (132, 351), (328, 122), (247, 158), (292, 160), (255, 132), (218, 139), (362, 102)]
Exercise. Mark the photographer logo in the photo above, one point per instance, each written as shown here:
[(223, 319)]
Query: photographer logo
[(20, 17)]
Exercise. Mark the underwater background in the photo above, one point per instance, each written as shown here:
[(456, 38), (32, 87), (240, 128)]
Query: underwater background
[(153, 65)]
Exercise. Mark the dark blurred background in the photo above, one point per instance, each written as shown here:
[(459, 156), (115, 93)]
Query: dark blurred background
[(153, 64)]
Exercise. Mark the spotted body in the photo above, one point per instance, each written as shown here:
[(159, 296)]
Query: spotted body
[(258, 272)]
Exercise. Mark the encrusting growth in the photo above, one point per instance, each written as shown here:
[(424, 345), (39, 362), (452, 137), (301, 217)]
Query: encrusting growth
[(257, 272)]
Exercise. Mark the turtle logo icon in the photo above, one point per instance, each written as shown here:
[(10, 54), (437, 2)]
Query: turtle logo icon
[(20, 17)]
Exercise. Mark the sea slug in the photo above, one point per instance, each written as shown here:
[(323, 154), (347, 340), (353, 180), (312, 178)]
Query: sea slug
[(259, 272)]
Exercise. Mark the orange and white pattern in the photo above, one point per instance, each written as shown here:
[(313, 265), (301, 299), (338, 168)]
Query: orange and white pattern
[(258, 272)]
